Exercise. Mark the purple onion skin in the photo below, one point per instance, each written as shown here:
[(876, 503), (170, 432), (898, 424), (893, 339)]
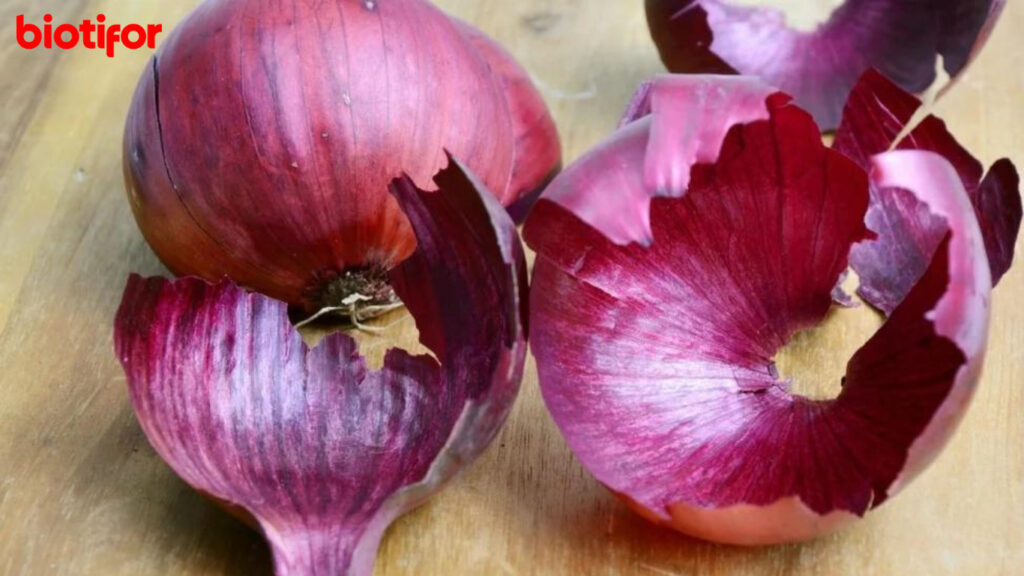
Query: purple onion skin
[(664, 151), (655, 358), (877, 113), (261, 142), (320, 451), (819, 68)]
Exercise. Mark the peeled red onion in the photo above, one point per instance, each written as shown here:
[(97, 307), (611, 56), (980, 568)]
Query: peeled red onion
[(676, 258), (261, 143), (321, 451), (819, 68)]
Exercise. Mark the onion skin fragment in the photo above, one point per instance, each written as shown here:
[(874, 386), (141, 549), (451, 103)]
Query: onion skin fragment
[(713, 103), (323, 453), (820, 67), (656, 360), (261, 142), (876, 114)]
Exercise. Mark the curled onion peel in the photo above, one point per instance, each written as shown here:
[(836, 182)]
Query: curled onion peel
[(261, 142), (322, 452), (819, 67), (876, 114), (656, 360)]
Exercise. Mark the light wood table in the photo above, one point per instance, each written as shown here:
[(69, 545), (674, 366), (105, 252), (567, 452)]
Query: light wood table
[(81, 492)]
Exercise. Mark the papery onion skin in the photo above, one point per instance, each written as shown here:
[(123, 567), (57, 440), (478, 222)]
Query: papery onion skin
[(656, 360), (261, 143), (876, 114), (901, 39), (322, 452), (665, 154)]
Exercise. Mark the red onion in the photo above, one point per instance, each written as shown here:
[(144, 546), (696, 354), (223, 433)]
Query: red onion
[(676, 259), (321, 451), (261, 143), (820, 67)]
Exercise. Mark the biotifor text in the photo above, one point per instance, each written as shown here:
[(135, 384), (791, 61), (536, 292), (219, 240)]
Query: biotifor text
[(94, 36)]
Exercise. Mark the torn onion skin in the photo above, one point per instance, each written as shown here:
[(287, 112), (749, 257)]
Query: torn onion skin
[(819, 68), (321, 451), (655, 359), (623, 212), (876, 114), (262, 139)]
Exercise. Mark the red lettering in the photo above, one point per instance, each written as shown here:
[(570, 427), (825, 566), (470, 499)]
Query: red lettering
[(140, 37), (101, 32), (87, 30), (153, 30), (113, 37), (25, 29), (91, 35), (47, 32), (60, 39)]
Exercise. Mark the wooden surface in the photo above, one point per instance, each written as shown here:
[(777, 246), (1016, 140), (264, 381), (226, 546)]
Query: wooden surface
[(81, 492)]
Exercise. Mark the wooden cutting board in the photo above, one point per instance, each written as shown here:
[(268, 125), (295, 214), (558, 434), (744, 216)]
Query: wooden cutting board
[(81, 492)]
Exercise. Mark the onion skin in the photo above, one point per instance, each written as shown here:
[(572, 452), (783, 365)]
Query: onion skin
[(321, 452), (820, 67), (261, 143), (538, 149), (655, 359), (666, 154), (748, 524), (876, 114)]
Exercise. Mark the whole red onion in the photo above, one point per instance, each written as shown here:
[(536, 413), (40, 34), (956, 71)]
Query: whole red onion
[(261, 142)]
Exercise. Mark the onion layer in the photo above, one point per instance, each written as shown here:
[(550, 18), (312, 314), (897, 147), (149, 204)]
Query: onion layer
[(819, 68), (261, 143), (876, 114), (656, 360), (322, 452)]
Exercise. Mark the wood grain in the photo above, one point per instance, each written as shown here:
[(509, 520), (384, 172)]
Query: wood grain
[(81, 492)]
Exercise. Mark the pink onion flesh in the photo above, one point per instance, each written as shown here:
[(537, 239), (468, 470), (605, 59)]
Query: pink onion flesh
[(819, 68), (261, 143), (655, 323), (323, 452)]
